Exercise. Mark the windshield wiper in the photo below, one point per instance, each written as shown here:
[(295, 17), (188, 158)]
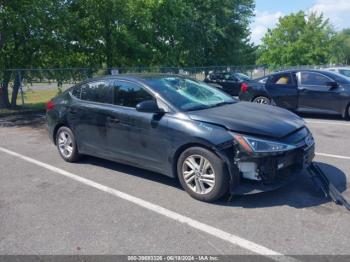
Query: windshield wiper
[(223, 103), (199, 107)]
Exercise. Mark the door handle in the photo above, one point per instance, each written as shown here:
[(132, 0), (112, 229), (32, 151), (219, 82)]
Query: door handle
[(72, 111), (113, 120)]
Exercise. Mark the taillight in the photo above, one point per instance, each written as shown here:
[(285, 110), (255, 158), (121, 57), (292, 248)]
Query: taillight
[(244, 87), (50, 105)]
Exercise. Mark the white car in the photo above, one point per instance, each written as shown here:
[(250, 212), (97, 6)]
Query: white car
[(345, 71)]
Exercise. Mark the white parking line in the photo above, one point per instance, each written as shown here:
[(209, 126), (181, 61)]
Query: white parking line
[(233, 239), (333, 156), (338, 123)]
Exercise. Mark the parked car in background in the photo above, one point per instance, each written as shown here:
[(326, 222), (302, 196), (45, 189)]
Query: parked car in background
[(345, 71), (314, 91), (230, 82), (184, 129)]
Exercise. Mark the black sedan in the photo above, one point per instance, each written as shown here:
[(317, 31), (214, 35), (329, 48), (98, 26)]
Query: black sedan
[(309, 91), (181, 128), (229, 82)]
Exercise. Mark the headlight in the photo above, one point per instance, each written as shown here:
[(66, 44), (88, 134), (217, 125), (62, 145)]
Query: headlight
[(256, 145)]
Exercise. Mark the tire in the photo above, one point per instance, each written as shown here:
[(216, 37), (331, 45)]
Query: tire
[(67, 148), (347, 113), (216, 183), (262, 100)]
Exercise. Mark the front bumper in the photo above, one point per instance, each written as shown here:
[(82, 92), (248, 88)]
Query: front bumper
[(275, 171)]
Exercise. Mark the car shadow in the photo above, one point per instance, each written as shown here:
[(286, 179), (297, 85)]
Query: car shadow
[(133, 171), (30, 120), (301, 193)]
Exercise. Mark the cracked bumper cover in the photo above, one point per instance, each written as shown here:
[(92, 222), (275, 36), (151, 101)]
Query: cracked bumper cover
[(275, 170)]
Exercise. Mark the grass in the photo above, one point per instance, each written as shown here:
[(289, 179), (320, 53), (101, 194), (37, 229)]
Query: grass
[(34, 100)]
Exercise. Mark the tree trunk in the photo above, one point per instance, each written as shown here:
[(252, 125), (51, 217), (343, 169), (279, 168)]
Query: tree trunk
[(16, 87), (4, 94)]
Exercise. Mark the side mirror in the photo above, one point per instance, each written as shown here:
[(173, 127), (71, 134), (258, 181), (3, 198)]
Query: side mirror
[(332, 84), (149, 106)]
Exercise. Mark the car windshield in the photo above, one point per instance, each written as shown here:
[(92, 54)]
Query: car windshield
[(188, 94)]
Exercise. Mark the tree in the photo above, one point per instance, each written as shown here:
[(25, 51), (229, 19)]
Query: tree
[(202, 32), (341, 48), (298, 39), (30, 32), (120, 33)]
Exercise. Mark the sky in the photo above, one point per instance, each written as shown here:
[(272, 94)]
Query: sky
[(267, 13)]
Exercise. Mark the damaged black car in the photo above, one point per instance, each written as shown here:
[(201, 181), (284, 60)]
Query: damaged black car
[(184, 129)]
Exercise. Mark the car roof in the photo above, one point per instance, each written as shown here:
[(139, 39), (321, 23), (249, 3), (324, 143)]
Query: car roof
[(346, 68), (300, 70), (142, 77)]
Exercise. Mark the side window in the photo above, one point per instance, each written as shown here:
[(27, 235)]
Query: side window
[(310, 78), (281, 79), (129, 94), (98, 91), (76, 91)]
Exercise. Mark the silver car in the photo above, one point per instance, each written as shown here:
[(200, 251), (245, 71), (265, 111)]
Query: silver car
[(345, 71)]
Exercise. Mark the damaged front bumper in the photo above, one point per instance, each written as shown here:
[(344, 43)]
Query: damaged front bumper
[(269, 172)]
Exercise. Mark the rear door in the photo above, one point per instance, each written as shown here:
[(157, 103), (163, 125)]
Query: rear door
[(283, 90), (89, 116), (315, 93)]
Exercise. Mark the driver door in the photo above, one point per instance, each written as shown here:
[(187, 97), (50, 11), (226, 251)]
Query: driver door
[(137, 137)]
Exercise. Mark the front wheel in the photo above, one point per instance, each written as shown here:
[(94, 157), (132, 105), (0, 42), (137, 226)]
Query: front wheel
[(202, 174), (262, 100)]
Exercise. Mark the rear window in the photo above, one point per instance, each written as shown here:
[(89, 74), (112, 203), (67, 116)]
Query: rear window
[(242, 77)]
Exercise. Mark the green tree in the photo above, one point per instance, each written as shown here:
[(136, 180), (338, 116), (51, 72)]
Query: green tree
[(298, 39), (202, 32), (119, 33), (341, 48), (31, 30), (113, 32)]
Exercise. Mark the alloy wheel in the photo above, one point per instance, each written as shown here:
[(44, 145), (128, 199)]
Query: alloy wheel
[(262, 100), (198, 174), (65, 144)]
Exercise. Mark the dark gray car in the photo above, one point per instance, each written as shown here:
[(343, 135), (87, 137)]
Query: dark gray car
[(310, 91), (184, 129)]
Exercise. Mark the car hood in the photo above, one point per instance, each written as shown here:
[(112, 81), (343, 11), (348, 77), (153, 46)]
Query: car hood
[(251, 118)]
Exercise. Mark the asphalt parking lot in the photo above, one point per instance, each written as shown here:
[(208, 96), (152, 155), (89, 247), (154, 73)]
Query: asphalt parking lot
[(48, 206)]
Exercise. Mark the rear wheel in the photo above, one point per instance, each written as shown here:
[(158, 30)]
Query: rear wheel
[(262, 100), (202, 174), (66, 144)]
